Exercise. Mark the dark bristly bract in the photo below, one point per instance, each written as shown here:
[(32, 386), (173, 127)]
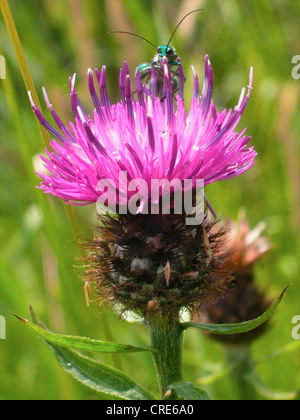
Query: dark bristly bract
[(147, 262)]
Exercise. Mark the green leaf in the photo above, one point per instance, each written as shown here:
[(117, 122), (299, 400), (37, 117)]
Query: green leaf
[(81, 343), (242, 327), (220, 372), (187, 391), (267, 393), (288, 348), (110, 383)]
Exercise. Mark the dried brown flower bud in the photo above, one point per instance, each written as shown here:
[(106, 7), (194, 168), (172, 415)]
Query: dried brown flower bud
[(243, 301), (244, 245)]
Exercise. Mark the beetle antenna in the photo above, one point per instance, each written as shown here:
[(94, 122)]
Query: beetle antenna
[(129, 33), (184, 17)]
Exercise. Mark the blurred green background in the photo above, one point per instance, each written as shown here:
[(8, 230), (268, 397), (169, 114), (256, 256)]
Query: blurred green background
[(39, 257)]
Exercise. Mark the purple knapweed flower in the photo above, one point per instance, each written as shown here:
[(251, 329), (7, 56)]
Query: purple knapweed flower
[(148, 137)]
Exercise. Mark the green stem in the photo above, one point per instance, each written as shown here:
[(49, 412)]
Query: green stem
[(166, 336), (240, 360)]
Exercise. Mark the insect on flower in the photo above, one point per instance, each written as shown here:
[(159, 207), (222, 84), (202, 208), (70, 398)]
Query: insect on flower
[(150, 71)]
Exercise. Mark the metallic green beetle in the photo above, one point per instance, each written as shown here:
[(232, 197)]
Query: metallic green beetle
[(144, 69)]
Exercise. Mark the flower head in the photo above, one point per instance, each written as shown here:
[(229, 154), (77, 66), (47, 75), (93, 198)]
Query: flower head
[(148, 137), (149, 262), (244, 245), (243, 301)]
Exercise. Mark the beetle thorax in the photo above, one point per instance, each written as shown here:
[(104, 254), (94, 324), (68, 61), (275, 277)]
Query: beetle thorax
[(165, 51)]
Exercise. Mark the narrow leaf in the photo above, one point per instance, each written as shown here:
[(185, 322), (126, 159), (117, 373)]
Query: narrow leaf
[(242, 327), (108, 382), (187, 391), (15, 40), (81, 343)]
